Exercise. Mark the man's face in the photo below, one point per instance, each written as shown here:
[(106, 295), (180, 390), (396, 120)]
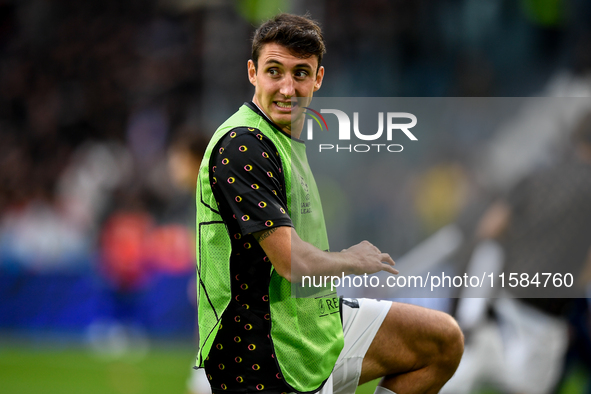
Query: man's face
[(279, 77)]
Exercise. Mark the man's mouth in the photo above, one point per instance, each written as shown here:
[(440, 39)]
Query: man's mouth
[(286, 105)]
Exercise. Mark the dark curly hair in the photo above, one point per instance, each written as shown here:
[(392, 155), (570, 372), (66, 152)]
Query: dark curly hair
[(299, 34)]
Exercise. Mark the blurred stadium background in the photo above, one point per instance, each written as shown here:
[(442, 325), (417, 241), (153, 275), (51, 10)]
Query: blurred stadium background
[(106, 105)]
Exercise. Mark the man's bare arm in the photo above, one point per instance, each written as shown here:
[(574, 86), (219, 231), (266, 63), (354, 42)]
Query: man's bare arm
[(262, 235), (293, 258)]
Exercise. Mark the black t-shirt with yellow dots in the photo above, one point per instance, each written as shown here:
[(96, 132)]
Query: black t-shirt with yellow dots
[(248, 183)]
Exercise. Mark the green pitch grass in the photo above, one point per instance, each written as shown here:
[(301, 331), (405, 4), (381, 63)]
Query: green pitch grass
[(367, 388), (76, 370)]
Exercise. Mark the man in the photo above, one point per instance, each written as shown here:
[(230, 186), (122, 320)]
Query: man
[(251, 245)]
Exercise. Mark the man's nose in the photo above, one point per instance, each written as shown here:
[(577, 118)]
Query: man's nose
[(287, 87)]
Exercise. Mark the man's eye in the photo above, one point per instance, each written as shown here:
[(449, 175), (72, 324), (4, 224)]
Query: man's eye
[(273, 72), (301, 74)]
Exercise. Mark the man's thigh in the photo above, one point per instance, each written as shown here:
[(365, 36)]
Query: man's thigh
[(406, 340)]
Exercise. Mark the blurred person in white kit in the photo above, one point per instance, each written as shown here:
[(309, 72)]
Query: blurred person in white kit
[(543, 225)]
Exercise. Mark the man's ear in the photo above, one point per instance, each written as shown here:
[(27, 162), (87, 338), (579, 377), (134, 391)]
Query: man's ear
[(252, 72), (319, 78)]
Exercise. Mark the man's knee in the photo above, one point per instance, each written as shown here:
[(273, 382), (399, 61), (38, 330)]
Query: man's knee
[(412, 338), (450, 344)]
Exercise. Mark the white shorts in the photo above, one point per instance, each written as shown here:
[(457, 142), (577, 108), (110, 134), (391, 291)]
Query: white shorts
[(361, 320)]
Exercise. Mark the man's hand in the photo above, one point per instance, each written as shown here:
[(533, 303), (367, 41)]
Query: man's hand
[(293, 258), (370, 259)]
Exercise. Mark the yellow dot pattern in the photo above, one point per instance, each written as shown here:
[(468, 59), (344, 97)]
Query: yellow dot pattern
[(250, 198)]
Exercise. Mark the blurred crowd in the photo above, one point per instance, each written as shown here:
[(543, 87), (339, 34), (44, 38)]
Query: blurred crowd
[(94, 100)]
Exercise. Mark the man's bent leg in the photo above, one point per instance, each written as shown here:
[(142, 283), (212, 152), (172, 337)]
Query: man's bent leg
[(416, 350)]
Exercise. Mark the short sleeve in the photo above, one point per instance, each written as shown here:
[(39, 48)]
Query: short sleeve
[(248, 179)]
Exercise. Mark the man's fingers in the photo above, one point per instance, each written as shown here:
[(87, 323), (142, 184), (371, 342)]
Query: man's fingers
[(390, 269), (385, 258), (388, 263)]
